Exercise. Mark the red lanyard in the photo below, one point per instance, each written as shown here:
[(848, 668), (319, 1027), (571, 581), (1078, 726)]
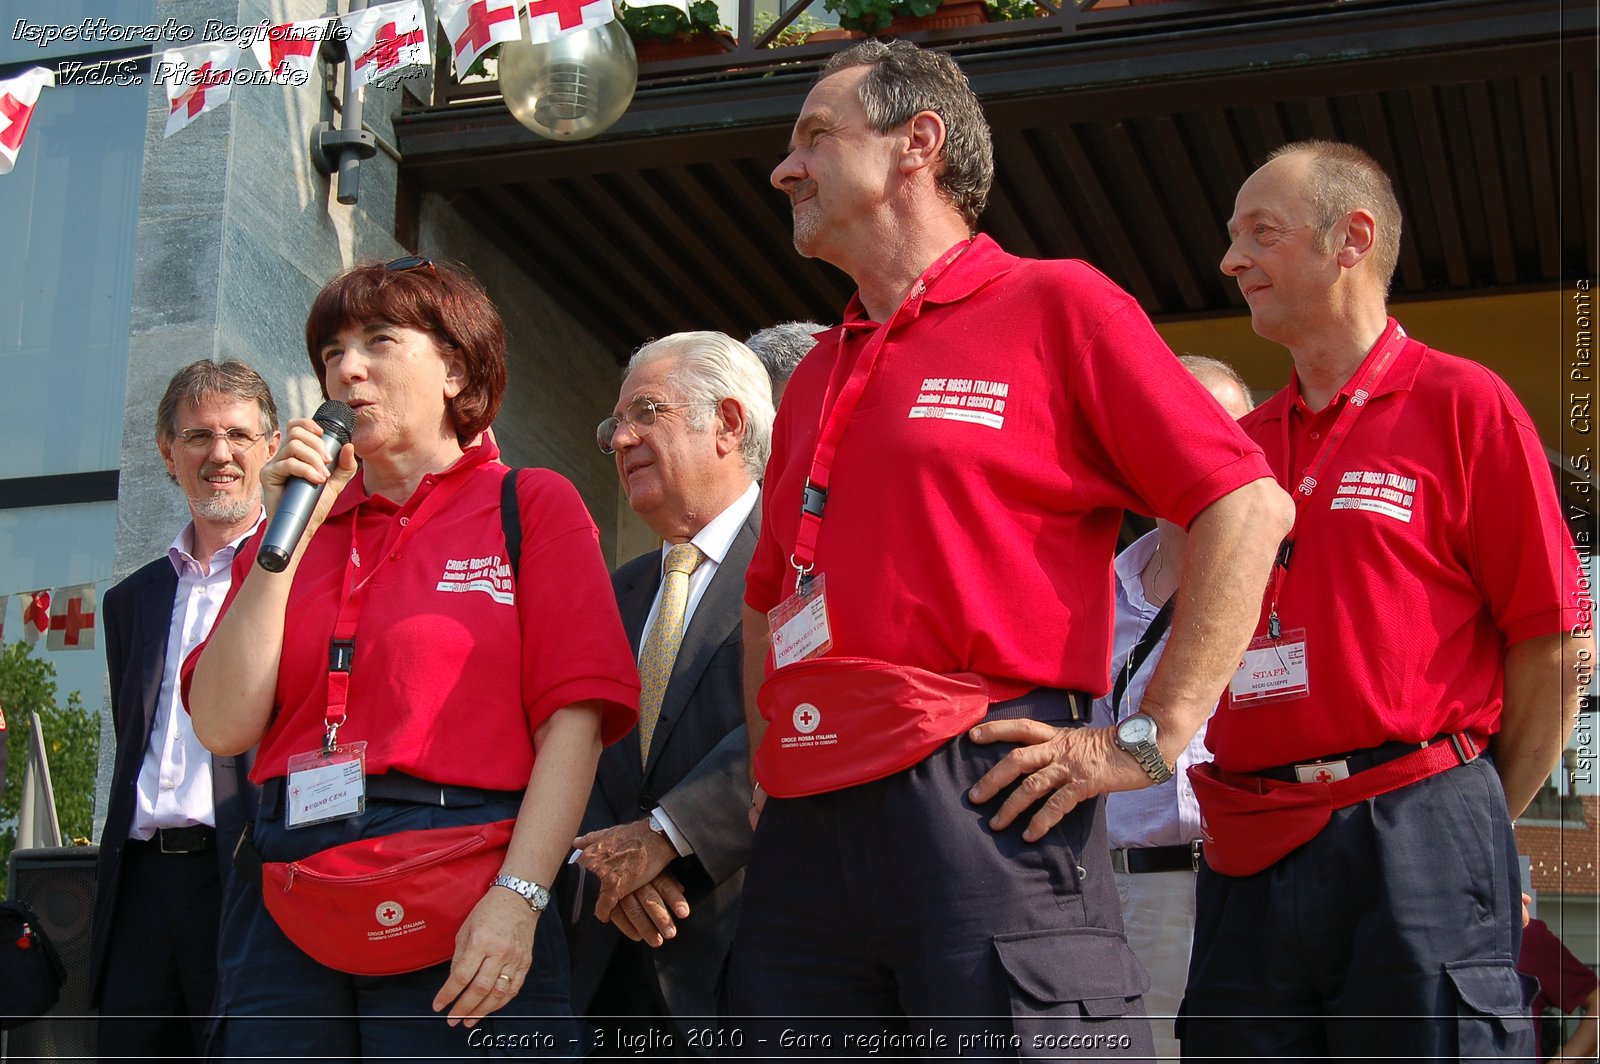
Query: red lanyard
[(837, 408), (342, 647), (1376, 365)]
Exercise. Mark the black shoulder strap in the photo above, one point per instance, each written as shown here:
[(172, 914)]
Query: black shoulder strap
[(511, 520), (1140, 652)]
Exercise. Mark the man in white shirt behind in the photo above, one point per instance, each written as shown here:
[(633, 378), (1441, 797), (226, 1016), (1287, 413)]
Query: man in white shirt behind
[(1155, 832), (175, 811)]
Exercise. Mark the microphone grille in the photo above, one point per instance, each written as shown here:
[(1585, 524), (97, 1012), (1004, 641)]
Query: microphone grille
[(337, 418)]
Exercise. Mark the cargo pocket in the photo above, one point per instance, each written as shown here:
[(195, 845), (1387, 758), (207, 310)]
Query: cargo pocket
[(1492, 1016), (1075, 988)]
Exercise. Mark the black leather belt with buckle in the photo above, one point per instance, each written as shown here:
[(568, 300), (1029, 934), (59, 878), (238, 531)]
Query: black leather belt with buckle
[(1157, 859), (197, 838)]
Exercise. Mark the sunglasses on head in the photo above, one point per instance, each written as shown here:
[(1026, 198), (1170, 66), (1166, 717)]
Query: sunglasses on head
[(407, 263)]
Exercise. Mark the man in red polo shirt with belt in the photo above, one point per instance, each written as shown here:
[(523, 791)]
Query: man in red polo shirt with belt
[(949, 471), (1414, 672)]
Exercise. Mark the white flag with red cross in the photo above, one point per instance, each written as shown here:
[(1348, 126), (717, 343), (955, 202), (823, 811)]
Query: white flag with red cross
[(18, 98), (35, 615), (385, 39), (198, 79), (549, 19), (72, 618), (290, 48), (474, 25)]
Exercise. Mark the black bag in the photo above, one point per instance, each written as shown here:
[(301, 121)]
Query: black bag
[(31, 972)]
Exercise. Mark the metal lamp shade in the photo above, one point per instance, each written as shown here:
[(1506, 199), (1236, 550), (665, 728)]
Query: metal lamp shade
[(573, 87)]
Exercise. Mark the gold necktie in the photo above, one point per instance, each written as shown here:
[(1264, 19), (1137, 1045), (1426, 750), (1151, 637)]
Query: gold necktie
[(662, 641)]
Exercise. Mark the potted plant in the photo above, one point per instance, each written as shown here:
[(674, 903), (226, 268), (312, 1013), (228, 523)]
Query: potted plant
[(662, 32), (906, 16)]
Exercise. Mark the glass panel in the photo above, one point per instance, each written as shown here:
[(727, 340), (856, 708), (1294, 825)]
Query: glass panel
[(66, 284), (55, 546), (25, 25)]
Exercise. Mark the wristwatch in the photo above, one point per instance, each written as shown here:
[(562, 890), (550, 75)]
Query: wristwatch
[(536, 896), (1137, 736)]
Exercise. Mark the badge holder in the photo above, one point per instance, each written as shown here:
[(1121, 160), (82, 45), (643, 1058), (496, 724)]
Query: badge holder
[(799, 624), (1273, 670), (327, 784)]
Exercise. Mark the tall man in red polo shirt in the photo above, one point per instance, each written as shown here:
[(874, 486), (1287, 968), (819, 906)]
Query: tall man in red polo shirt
[(963, 446), (1413, 673)]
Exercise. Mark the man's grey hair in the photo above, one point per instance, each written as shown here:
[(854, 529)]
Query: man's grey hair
[(205, 379), (906, 80), (711, 367), (1345, 178), (1200, 365), (781, 347)]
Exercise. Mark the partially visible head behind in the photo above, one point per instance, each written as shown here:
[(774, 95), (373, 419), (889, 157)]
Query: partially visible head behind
[(1343, 178), (781, 347), (1222, 381), (906, 80), (232, 381), (443, 301), (709, 367)]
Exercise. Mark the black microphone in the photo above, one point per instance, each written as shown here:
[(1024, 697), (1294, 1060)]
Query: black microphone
[(300, 495)]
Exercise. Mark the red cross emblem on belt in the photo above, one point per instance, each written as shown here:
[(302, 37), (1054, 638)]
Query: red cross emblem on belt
[(479, 23), (1323, 776)]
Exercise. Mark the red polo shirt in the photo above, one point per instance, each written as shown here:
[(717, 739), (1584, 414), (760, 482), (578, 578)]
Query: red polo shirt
[(1016, 410), (1433, 541), (447, 685)]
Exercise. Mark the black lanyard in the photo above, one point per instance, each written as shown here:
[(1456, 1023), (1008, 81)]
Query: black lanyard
[(1140, 653)]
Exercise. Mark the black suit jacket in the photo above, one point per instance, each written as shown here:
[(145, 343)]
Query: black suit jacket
[(138, 614), (697, 772)]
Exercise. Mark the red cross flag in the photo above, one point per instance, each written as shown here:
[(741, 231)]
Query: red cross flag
[(198, 79), (386, 39), (473, 25), (290, 48), (35, 615), (549, 19), (18, 97), (72, 618)]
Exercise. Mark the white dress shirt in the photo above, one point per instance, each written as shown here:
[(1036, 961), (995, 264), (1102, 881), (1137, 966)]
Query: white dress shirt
[(714, 541), (174, 787), (1166, 814)]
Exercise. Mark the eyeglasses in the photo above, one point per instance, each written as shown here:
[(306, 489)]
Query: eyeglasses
[(640, 418), (407, 263), (202, 440)]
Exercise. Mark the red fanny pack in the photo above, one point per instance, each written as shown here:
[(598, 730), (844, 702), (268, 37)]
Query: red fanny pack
[(387, 905), (838, 722), (1250, 822)]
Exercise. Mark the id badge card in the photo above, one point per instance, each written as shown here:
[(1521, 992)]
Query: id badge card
[(799, 625), (325, 786), (1273, 670)]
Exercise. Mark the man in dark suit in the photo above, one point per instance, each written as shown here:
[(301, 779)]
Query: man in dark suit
[(667, 828), (175, 812)]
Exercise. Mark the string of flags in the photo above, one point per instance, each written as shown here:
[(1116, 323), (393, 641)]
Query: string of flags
[(63, 618), (383, 42)]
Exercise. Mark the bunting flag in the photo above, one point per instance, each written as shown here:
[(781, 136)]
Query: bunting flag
[(549, 19), (35, 616), (386, 39), (473, 25), (72, 618), (290, 48), (18, 98), (198, 79)]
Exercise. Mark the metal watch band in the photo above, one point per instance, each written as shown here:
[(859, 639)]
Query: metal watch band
[(536, 896)]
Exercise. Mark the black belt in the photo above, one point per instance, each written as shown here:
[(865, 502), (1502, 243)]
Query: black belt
[(1142, 859), (397, 787), (196, 838), (1359, 760)]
